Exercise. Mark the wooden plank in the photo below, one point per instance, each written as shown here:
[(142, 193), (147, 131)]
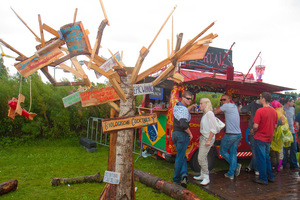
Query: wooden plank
[(114, 106), (143, 53), (36, 37), (118, 88), (58, 61), (72, 70), (153, 69), (188, 45), (162, 26), (115, 59), (104, 12), (100, 33), (98, 96), (75, 15), (77, 65), (129, 122), (98, 60), (50, 30), (87, 81), (97, 69), (48, 75), (76, 39), (70, 83), (41, 31), (178, 78), (114, 75), (163, 74), (93, 54), (11, 48), (34, 63), (49, 45), (195, 54)]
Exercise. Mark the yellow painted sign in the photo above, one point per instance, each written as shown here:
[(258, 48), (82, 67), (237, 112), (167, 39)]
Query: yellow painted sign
[(121, 123)]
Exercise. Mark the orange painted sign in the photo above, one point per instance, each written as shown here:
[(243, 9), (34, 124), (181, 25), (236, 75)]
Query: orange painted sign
[(99, 96), (34, 63)]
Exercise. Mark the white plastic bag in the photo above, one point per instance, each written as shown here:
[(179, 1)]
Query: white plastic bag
[(219, 124)]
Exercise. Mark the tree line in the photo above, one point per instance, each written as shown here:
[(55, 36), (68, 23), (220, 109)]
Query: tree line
[(52, 120)]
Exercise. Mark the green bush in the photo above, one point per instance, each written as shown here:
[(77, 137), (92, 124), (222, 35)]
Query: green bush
[(52, 120)]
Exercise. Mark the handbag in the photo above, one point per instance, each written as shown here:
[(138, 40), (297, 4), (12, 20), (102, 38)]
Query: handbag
[(219, 125)]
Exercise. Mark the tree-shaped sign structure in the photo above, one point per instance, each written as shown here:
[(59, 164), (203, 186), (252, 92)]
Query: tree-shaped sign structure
[(70, 41)]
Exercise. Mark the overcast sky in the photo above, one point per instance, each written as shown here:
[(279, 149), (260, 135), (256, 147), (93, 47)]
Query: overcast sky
[(269, 26)]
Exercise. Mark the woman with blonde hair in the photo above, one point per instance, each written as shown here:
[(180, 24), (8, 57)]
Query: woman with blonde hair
[(208, 130)]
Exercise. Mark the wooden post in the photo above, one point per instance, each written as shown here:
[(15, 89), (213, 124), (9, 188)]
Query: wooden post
[(50, 30), (13, 49), (100, 33), (251, 66), (144, 51), (41, 31), (118, 89), (75, 15), (104, 12), (124, 160), (36, 37)]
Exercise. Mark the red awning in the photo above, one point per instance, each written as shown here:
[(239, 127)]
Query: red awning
[(236, 87)]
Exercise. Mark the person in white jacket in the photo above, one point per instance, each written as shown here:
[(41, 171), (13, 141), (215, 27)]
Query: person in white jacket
[(208, 129)]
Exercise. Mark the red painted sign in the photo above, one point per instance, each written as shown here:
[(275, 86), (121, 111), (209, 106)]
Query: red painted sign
[(99, 96)]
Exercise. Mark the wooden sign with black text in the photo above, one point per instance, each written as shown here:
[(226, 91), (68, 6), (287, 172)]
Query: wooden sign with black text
[(121, 123)]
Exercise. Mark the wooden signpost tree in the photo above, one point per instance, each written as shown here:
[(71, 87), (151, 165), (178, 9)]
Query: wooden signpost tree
[(119, 93)]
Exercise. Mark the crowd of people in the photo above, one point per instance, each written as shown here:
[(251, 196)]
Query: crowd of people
[(272, 136)]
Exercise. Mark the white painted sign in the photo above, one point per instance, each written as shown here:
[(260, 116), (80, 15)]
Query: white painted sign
[(112, 177), (71, 99), (145, 88), (109, 63)]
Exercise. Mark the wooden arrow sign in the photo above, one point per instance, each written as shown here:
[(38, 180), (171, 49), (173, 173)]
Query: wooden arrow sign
[(121, 123)]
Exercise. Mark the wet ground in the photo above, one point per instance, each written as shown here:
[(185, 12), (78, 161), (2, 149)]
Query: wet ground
[(285, 187)]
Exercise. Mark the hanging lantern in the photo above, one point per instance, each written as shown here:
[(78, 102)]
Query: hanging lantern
[(259, 70)]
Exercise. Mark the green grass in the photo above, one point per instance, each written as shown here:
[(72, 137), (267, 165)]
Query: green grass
[(35, 164)]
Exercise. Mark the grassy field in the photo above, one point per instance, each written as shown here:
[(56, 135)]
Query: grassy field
[(35, 164)]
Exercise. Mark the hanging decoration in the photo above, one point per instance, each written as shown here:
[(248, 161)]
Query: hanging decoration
[(259, 70)]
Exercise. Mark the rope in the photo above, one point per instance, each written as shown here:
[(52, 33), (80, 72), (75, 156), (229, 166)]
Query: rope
[(30, 93), (20, 88)]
